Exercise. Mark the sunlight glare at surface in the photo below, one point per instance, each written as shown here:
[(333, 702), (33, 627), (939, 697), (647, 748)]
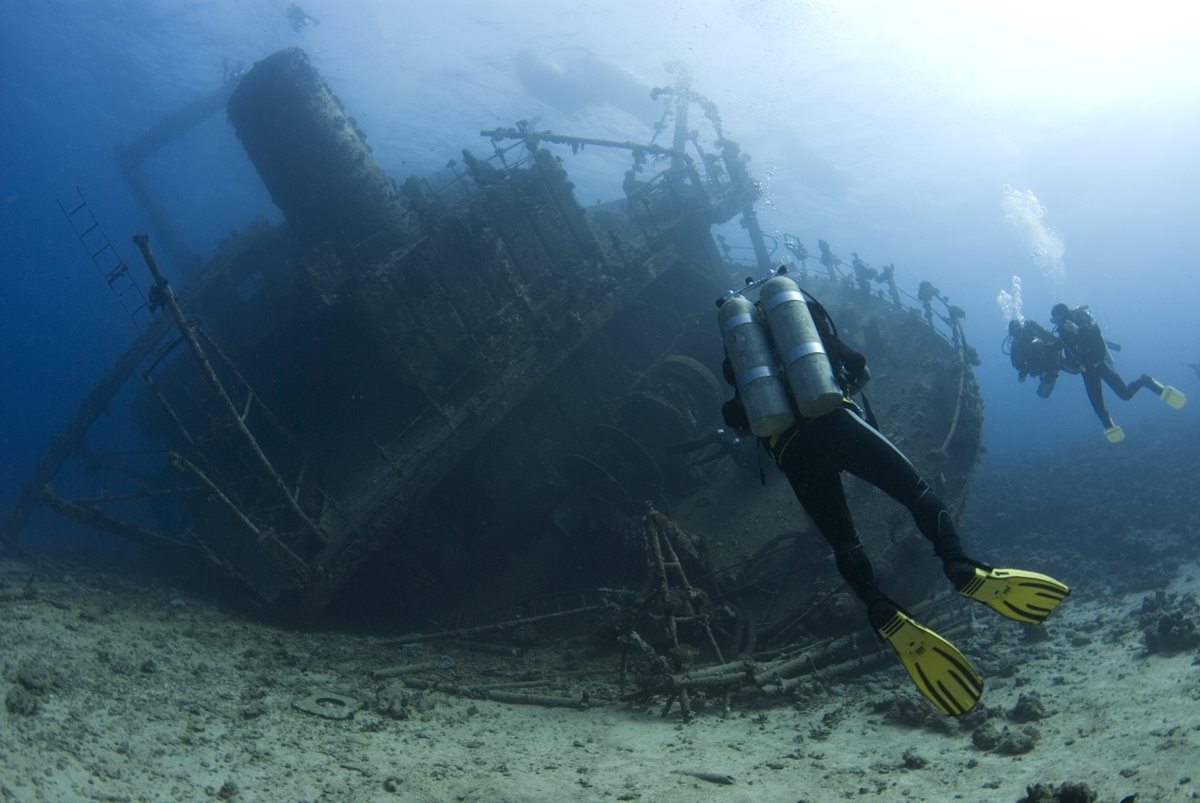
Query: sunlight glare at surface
[(1068, 55)]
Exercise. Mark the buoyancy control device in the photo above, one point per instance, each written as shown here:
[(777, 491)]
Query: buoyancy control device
[(773, 341)]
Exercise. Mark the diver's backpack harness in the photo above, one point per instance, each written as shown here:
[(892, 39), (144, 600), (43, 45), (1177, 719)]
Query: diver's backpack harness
[(783, 362)]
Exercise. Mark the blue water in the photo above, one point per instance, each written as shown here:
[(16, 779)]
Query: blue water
[(887, 129)]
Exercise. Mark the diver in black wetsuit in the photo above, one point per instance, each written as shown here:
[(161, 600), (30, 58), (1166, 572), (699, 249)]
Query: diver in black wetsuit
[(1087, 351), (813, 452)]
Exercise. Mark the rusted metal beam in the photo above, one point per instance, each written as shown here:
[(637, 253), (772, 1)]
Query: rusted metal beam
[(535, 137), (166, 296), (67, 442), (295, 565), (96, 518)]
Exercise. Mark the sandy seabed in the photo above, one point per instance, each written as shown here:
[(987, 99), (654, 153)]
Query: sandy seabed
[(122, 693)]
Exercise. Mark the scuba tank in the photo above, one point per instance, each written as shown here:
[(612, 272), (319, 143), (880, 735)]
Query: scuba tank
[(755, 368), (798, 344)]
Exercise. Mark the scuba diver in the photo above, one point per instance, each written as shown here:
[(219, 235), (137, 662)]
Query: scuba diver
[(1035, 351), (800, 409), (1087, 351)]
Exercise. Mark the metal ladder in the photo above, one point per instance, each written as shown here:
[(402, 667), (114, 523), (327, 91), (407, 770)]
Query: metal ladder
[(104, 256)]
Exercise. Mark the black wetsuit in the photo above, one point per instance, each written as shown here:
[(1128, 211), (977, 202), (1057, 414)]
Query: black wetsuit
[(1085, 346), (1036, 352), (814, 452)]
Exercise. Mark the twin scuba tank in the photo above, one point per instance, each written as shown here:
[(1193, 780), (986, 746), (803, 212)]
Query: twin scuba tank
[(772, 342)]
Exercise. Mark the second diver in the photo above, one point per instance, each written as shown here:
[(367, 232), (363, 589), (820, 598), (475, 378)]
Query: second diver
[(1087, 352)]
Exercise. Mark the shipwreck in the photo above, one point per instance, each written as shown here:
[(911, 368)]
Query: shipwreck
[(465, 397)]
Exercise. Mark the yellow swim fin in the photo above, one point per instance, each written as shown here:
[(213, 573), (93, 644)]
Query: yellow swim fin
[(1027, 597), (1173, 396), (941, 673), (1115, 434)]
